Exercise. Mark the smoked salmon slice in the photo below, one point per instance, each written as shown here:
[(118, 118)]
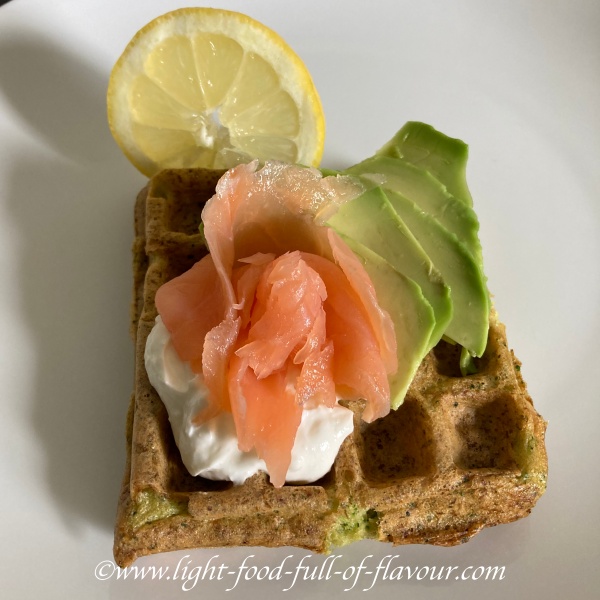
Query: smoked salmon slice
[(281, 316)]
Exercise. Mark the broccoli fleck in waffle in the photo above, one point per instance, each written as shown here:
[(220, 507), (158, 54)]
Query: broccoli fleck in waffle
[(460, 454)]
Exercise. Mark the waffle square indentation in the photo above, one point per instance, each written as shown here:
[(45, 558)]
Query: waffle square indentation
[(398, 446), (488, 433)]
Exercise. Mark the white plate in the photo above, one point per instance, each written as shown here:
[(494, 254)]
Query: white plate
[(519, 81)]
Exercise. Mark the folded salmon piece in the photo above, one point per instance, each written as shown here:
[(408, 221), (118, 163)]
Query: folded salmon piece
[(280, 315)]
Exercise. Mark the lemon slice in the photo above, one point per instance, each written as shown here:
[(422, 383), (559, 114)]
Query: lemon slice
[(202, 87)]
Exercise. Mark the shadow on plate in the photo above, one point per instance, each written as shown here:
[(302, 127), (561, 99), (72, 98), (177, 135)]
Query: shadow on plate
[(71, 203)]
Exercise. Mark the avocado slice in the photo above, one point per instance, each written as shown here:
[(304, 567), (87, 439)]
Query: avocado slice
[(427, 193), (470, 323), (410, 312), (444, 157), (371, 220)]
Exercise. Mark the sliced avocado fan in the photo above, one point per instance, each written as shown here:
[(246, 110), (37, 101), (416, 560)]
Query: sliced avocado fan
[(371, 220), (423, 173), (416, 233), (427, 193), (470, 323), (368, 220)]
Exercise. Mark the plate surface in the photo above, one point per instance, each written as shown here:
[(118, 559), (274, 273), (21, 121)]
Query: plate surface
[(519, 81)]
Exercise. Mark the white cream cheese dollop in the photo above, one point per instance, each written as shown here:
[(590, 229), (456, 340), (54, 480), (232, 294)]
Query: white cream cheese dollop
[(211, 449)]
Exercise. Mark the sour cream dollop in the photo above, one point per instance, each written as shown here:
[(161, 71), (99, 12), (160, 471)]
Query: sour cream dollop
[(211, 450)]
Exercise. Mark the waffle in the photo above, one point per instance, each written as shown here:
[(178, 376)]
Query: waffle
[(460, 454)]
